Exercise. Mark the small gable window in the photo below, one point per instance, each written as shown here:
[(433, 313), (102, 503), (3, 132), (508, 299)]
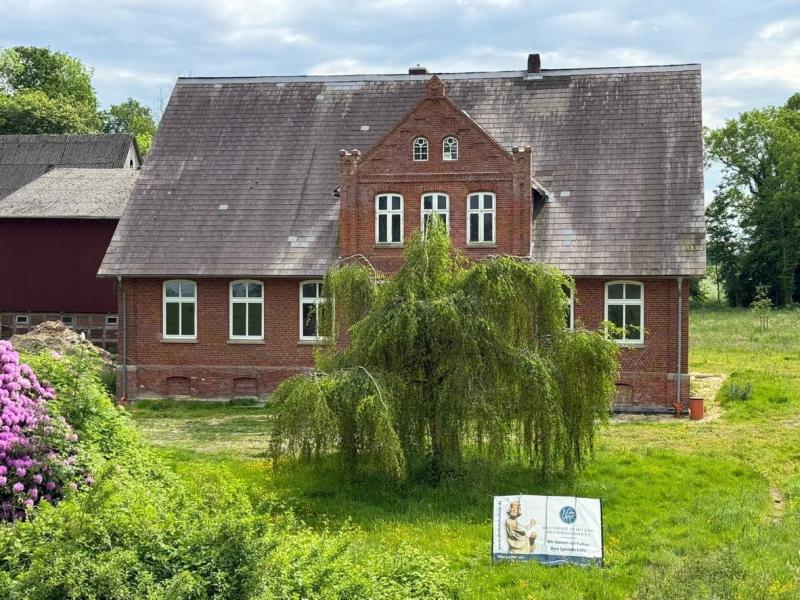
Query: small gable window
[(420, 149), (435, 204), (311, 300), (480, 218), (247, 310), (180, 309), (625, 310), (450, 148), (389, 219)]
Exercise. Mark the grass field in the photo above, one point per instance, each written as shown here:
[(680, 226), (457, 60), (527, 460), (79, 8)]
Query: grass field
[(691, 509)]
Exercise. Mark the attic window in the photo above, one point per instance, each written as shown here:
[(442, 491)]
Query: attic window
[(420, 149), (450, 148)]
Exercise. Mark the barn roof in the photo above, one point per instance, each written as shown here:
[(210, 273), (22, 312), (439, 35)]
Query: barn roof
[(69, 193), (242, 175), (23, 158)]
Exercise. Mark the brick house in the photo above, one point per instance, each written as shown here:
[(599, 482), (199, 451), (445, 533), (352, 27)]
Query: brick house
[(60, 199), (256, 186)]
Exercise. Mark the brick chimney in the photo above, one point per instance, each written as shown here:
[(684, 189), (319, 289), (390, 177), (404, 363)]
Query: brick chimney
[(418, 70), (435, 87), (534, 63)]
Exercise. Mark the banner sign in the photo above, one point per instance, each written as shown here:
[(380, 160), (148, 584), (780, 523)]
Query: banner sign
[(552, 530)]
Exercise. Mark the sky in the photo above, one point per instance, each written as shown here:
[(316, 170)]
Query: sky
[(749, 49)]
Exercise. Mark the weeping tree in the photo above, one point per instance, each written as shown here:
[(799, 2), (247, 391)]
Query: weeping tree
[(444, 359)]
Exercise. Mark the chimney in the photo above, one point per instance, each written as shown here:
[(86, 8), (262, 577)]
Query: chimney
[(534, 63), (418, 70)]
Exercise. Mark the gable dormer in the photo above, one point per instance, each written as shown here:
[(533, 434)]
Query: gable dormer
[(436, 159)]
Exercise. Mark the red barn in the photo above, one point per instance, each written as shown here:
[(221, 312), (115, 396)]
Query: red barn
[(248, 198), (54, 232)]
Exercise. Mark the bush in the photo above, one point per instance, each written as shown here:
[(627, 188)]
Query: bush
[(38, 453)]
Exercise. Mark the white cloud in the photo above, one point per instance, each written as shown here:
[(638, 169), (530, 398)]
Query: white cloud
[(114, 75)]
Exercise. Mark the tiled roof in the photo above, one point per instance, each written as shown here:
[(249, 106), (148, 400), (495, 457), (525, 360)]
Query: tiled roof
[(241, 177), (23, 158), (70, 193)]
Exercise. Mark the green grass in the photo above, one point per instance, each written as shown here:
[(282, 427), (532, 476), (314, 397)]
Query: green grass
[(689, 508)]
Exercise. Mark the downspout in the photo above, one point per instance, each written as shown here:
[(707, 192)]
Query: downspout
[(679, 372), (123, 397)]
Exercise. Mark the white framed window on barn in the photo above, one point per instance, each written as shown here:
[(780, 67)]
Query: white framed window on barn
[(570, 309), (625, 309), (389, 219), (450, 148), (420, 149), (247, 310), (180, 310), (481, 218), (435, 203), (311, 300)]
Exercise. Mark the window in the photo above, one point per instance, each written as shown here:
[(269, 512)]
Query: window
[(450, 148), (389, 219), (180, 309), (435, 204), (480, 218), (22, 320), (247, 310), (68, 320), (420, 149), (625, 309), (111, 321), (311, 299), (570, 309)]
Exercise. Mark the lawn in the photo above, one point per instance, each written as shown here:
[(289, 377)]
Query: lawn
[(691, 509)]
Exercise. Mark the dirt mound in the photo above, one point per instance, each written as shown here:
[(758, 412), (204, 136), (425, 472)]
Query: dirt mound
[(56, 337)]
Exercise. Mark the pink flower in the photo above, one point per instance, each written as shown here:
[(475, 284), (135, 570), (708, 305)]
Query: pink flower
[(18, 487)]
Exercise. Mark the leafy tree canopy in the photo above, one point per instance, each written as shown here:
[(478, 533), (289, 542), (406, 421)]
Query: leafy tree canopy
[(444, 359), (33, 111), (131, 117), (754, 219)]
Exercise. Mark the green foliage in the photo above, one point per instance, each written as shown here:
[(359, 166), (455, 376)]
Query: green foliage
[(33, 111), (444, 355), (754, 219), (131, 117)]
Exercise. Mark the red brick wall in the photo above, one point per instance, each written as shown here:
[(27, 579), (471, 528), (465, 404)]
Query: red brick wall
[(388, 167), (214, 367), (212, 363)]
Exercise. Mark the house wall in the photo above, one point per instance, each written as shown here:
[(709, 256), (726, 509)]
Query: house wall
[(215, 367), (49, 267)]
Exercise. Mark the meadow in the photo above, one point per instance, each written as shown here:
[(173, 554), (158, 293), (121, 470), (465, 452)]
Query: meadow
[(691, 509)]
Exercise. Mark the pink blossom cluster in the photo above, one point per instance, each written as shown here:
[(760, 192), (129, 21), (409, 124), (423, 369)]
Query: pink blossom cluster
[(37, 451)]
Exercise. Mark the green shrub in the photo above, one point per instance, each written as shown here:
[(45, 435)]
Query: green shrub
[(738, 392)]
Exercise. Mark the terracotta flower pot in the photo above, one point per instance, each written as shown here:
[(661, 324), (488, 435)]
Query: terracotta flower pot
[(696, 409)]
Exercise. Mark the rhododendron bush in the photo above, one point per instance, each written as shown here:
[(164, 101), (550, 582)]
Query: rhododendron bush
[(38, 451)]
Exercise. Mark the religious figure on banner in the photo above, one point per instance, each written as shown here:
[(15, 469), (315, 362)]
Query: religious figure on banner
[(521, 538)]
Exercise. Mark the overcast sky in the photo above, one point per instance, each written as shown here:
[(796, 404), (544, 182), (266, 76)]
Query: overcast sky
[(749, 49)]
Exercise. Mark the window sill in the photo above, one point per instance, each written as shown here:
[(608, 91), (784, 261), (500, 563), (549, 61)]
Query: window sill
[(481, 245), (313, 342), (167, 340), (246, 342), (625, 344), (389, 245)]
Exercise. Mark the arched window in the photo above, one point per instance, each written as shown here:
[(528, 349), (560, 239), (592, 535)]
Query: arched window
[(438, 204), (247, 310), (625, 310), (420, 149), (450, 148), (180, 309)]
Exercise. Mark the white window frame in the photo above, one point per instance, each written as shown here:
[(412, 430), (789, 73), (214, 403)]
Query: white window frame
[(389, 212), (626, 302), (115, 324), (68, 320), (571, 296), (425, 212), (318, 301), (482, 211), (422, 142), (22, 319), (453, 152), (178, 300), (247, 300)]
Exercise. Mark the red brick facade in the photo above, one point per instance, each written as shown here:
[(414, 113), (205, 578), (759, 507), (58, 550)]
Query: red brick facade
[(215, 366)]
